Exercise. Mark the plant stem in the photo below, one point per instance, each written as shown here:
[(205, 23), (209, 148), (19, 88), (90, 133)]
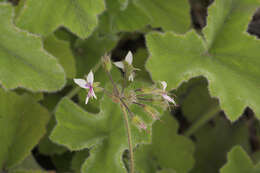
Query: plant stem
[(129, 138), (113, 83)]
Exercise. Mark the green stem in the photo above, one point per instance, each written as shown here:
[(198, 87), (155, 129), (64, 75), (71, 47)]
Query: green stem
[(113, 83), (205, 118), (129, 138)]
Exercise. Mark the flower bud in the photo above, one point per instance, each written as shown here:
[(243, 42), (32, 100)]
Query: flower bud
[(107, 62), (152, 111), (139, 123)]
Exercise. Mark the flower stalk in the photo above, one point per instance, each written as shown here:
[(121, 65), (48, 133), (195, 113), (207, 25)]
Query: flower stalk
[(126, 98)]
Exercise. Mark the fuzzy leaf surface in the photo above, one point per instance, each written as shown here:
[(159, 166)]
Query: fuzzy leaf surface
[(168, 149), (79, 16), (104, 133), (239, 162), (229, 57), (61, 49), (171, 15), (23, 122), (23, 62)]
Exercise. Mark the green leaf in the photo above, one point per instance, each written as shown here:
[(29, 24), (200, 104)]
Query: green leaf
[(239, 162), (61, 50), (166, 171), (197, 113), (78, 160), (173, 15), (213, 134), (88, 54), (79, 16), (214, 140), (228, 56), (23, 122), (168, 149), (169, 14), (23, 62), (62, 162), (28, 163), (104, 133), (46, 146), (29, 171)]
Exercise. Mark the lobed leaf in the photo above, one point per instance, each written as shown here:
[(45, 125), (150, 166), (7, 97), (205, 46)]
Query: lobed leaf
[(239, 162), (228, 56), (167, 150), (61, 49), (23, 122), (23, 62), (104, 134), (79, 16)]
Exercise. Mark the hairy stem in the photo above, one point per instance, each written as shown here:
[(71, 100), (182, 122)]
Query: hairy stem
[(113, 83), (129, 138)]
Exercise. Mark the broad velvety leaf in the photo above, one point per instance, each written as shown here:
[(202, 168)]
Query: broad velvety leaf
[(78, 160), (104, 133), (239, 162), (23, 62), (214, 140), (168, 14), (168, 149), (197, 113), (46, 146), (228, 56), (171, 15), (79, 16), (61, 50), (213, 135), (88, 54), (23, 122), (28, 163)]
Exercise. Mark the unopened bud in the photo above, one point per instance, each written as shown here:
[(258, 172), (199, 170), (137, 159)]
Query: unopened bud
[(152, 111), (139, 123), (107, 62)]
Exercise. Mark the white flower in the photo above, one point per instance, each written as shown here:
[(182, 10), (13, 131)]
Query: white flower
[(128, 60), (87, 84), (164, 94)]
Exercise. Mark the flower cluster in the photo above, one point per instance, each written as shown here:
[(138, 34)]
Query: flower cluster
[(138, 96)]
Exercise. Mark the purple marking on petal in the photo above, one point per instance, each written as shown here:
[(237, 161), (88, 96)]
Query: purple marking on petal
[(168, 98), (88, 85)]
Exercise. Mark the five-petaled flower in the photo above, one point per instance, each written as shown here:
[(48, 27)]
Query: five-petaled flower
[(87, 84), (127, 65), (164, 93)]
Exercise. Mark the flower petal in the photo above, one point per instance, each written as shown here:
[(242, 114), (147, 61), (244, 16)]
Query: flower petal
[(119, 64), (164, 84), (129, 57), (169, 99), (81, 82), (94, 95), (86, 101), (90, 77)]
